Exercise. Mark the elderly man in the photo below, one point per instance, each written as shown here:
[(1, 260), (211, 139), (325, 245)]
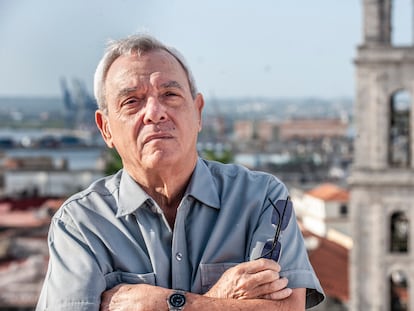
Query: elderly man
[(171, 231)]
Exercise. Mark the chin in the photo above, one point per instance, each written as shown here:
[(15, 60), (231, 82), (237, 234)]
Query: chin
[(161, 159)]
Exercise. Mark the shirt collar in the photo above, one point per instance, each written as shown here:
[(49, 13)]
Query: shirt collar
[(131, 195), (201, 187)]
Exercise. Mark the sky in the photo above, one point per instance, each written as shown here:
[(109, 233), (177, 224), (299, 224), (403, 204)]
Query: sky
[(235, 48)]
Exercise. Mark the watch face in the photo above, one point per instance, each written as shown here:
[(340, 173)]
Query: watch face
[(177, 300)]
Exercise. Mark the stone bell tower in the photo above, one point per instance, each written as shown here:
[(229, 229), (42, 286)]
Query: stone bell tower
[(382, 179)]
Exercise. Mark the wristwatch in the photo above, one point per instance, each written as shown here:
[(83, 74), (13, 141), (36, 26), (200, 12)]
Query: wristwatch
[(176, 301)]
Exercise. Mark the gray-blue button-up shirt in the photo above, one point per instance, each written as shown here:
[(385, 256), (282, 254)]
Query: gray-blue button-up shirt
[(113, 232)]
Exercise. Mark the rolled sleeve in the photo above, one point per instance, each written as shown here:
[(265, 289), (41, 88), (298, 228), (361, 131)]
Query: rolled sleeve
[(296, 266), (74, 280)]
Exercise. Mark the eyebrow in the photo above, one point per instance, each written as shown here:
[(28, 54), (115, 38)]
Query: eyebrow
[(171, 84), (126, 91)]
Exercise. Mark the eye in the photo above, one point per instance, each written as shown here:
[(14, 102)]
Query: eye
[(130, 101), (170, 94)]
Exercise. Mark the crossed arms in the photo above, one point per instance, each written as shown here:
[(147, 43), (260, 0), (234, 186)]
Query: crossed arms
[(254, 285)]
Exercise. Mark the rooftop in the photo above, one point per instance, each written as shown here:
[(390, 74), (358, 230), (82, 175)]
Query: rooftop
[(329, 192), (330, 262)]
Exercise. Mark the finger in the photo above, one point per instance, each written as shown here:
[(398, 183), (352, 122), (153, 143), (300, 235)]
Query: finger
[(267, 264), (260, 278), (280, 295), (268, 288), (259, 284), (277, 286), (248, 284), (240, 280), (258, 265)]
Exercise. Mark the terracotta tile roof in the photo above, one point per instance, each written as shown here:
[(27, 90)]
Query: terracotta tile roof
[(24, 203), (23, 219), (330, 192), (330, 262), (26, 213)]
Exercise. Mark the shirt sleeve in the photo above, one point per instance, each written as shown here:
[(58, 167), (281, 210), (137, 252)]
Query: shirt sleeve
[(293, 259), (296, 266), (74, 280)]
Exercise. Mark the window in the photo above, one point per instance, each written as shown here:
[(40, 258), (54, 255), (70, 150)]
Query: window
[(399, 129), (399, 233), (399, 291), (343, 210)]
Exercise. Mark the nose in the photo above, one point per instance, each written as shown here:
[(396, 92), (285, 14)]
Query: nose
[(154, 111)]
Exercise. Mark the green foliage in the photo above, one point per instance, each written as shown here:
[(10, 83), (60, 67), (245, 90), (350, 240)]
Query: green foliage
[(113, 162), (223, 156)]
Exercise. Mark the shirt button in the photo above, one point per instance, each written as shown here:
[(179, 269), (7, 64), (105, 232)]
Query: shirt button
[(179, 256)]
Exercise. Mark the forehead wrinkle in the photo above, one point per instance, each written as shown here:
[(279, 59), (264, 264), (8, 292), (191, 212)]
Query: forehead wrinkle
[(126, 91), (172, 84)]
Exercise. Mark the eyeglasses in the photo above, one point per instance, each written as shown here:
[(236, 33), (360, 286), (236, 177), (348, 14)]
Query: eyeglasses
[(281, 215)]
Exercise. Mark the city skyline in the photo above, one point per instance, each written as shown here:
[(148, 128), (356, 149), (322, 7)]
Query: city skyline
[(235, 49)]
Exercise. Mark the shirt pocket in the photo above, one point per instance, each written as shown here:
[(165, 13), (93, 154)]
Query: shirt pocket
[(211, 272), (118, 277)]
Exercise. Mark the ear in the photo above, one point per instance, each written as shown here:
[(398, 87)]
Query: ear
[(199, 102), (102, 123)]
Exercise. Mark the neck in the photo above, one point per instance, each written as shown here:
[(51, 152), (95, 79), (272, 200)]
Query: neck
[(168, 194), (166, 186)]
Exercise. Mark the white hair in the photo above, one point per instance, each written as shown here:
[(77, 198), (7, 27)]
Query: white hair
[(139, 44)]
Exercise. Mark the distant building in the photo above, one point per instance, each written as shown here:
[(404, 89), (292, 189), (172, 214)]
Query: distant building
[(24, 225), (47, 182), (325, 208), (382, 178), (244, 129), (302, 129), (322, 213), (64, 173), (312, 129), (27, 176), (330, 260)]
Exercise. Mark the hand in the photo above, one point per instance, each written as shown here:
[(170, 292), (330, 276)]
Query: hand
[(134, 297), (254, 279)]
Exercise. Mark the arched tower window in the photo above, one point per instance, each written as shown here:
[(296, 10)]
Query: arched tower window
[(399, 129), (399, 233), (399, 291), (402, 22)]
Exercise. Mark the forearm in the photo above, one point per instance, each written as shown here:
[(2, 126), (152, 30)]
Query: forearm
[(296, 301), (254, 285), (153, 298)]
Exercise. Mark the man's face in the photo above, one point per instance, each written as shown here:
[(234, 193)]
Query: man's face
[(152, 119)]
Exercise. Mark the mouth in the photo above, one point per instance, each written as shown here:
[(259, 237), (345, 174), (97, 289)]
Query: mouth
[(157, 136)]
